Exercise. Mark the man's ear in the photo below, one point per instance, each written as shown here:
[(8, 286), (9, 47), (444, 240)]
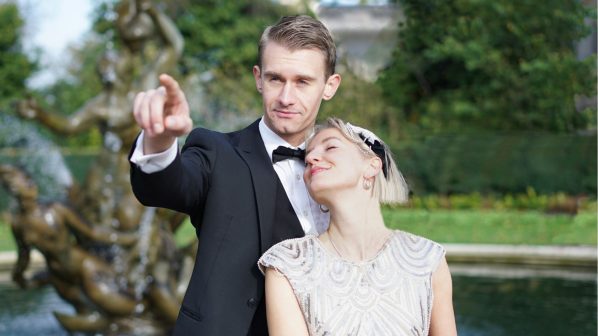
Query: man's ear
[(257, 75), (332, 84), (374, 167)]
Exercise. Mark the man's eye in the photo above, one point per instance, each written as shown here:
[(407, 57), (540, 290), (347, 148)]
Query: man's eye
[(330, 147)]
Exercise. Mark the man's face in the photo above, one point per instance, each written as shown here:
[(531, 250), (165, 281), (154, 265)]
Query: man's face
[(292, 85)]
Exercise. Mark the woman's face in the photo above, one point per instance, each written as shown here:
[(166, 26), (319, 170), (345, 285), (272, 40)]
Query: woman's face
[(333, 164)]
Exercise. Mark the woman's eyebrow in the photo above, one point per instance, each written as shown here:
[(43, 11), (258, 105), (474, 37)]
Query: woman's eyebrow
[(332, 137)]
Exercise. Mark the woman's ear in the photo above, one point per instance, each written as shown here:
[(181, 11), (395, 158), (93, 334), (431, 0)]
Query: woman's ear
[(373, 168)]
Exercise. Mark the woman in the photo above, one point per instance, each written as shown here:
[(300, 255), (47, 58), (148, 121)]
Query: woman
[(358, 277)]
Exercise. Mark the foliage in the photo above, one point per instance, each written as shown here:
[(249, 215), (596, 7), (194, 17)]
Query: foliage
[(224, 34), (500, 65), (549, 203), (361, 103), (15, 66), (503, 163)]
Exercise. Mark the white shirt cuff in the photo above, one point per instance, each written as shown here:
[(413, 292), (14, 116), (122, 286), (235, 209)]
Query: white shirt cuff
[(152, 163)]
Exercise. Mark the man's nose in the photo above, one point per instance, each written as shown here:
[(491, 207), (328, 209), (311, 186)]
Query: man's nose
[(287, 94)]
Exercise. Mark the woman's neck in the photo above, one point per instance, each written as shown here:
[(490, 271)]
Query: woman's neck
[(357, 230)]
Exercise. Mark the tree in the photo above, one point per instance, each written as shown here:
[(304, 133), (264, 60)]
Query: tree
[(499, 65), (362, 103), (15, 66)]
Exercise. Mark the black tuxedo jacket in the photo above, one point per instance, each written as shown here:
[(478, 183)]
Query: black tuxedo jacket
[(226, 183)]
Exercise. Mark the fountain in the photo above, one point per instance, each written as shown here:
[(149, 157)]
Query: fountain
[(112, 259)]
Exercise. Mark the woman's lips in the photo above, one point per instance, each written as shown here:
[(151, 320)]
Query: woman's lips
[(316, 170)]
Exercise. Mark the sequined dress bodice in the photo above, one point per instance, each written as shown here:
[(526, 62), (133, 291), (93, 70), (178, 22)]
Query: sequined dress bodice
[(390, 294)]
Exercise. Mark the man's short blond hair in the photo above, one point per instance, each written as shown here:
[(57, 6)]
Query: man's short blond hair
[(301, 32)]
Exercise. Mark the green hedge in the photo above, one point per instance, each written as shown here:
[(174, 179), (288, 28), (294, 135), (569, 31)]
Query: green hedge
[(507, 163), (553, 203)]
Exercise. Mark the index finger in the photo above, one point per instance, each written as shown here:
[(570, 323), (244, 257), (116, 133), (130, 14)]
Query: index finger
[(173, 90)]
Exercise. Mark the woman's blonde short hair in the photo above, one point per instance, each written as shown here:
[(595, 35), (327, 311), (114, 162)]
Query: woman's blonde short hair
[(389, 185)]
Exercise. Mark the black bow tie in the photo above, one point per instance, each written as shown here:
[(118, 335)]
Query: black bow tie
[(283, 153)]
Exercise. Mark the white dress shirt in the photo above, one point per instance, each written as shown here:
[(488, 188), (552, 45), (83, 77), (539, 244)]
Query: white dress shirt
[(290, 173)]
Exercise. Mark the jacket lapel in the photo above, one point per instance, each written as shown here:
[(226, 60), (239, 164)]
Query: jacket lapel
[(251, 148)]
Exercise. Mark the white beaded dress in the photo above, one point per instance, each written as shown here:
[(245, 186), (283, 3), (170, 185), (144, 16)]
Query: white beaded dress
[(390, 294)]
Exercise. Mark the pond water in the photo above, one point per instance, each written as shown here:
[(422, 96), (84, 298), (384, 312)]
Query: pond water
[(524, 306), (484, 306), (29, 312)]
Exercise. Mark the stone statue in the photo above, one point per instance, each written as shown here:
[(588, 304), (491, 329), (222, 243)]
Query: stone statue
[(114, 260), (54, 229), (138, 24)]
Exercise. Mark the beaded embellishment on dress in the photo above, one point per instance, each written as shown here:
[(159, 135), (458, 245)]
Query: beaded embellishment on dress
[(390, 294)]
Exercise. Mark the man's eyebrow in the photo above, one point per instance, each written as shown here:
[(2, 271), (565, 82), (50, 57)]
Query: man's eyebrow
[(270, 74), (306, 77)]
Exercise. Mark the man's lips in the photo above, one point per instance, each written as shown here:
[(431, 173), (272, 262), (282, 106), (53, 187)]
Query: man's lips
[(285, 113)]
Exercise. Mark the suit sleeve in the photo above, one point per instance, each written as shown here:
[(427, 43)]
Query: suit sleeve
[(183, 185)]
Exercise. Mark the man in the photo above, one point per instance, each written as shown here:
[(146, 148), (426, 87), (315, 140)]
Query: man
[(240, 191)]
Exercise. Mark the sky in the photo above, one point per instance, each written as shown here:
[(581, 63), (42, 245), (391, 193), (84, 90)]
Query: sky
[(52, 26)]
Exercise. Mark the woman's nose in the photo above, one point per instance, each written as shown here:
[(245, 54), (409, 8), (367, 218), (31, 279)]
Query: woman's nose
[(312, 157)]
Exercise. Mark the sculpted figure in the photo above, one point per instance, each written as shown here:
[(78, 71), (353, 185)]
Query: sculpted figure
[(169, 267), (97, 252), (138, 23), (99, 294), (54, 229)]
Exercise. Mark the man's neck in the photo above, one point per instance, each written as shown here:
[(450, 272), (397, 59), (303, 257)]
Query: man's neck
[(267, 133), (294, 140)]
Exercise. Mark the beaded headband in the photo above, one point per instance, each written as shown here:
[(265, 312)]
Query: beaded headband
[(374, 143)]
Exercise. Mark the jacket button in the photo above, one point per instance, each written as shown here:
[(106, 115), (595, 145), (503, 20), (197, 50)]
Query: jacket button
[(251, 303)]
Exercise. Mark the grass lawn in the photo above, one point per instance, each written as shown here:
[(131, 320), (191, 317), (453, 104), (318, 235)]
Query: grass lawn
[(460, 226), (496, 227)]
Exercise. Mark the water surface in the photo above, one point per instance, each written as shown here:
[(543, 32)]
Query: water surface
[(484, 306)]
